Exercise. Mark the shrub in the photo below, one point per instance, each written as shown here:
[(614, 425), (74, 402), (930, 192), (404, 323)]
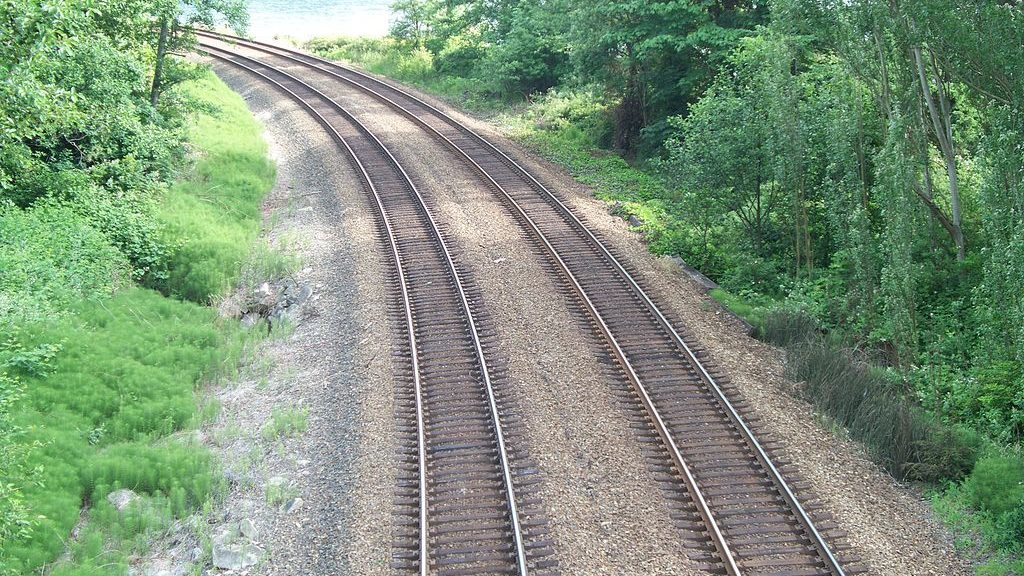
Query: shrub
[(997, 484), (50, 255), (1011, 525), (897, 434), (784, 327)]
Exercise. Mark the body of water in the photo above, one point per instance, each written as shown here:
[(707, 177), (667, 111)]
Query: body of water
[(307, 18)]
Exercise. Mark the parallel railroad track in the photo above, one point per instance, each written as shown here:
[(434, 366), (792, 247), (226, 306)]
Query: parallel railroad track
[(747, 515), (462, 497)]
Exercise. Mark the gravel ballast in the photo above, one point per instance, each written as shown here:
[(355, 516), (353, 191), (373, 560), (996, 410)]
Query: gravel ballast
[(335, 365)]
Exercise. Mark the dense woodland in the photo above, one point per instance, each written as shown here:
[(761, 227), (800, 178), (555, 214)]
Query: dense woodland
[(851, 169)]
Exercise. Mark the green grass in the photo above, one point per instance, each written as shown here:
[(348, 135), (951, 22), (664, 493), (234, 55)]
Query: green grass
[(110, 376), (416, 67), (993, 542), (215, 209), (751, 308), (280, 493), (123, 379), (286, 422)]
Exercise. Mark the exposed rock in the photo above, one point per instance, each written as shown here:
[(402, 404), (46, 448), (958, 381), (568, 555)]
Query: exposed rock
[(248, 529), (231, 551), (234, 478), (161, 567), (122, 498), (265, 300), (273, 300), (634, 221), (291, 505), (249, 319)]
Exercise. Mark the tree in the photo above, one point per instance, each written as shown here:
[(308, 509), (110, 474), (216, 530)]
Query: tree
[(656, 57), (721, 153), (177, 17)]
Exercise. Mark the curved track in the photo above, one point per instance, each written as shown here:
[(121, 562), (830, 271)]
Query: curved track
[(749, 515), (457, 485)]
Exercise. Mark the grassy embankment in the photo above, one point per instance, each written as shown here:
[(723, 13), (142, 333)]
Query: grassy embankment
[(973, 482), (109, 374)]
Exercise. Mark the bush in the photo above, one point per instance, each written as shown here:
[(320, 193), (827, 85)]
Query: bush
[(1011, 525), (996, 485), (899, 436), (50, 256), (784, 327)]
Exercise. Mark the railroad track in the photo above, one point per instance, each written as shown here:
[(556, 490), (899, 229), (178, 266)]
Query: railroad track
[(459, 483), (737, 510)]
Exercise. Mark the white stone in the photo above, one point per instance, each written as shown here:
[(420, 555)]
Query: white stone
[(122, 498)]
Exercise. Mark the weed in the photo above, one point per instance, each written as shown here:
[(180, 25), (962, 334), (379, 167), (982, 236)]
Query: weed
[(784, 327), (267, 262), (898, 435), (217, 207), (280, 492), (996, 485), (286, 422)]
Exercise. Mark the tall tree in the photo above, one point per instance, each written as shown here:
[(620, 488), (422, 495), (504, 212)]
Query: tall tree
[(176, 18), (656, 57)]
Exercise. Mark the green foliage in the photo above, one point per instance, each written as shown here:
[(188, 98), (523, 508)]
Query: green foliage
[(748, 305), (414, 65), (98, 379), (50, 256), (996, 485), (214, 212), (124, 377), (15, 518), (785, 328), (994, 544), (862, 400)]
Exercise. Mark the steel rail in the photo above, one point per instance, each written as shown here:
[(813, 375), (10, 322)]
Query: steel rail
[(467, 309), (817, 539), (717, 537)]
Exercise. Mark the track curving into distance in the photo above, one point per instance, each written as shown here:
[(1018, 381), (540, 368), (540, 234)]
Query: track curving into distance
[(749, 514), (458, 499)]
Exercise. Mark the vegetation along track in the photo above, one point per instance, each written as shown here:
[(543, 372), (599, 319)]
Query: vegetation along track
[(462, 488), (738, 513)]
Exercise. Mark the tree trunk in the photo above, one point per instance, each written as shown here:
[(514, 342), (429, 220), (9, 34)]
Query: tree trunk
[(630, 115), (942, 116), (161, 54)]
